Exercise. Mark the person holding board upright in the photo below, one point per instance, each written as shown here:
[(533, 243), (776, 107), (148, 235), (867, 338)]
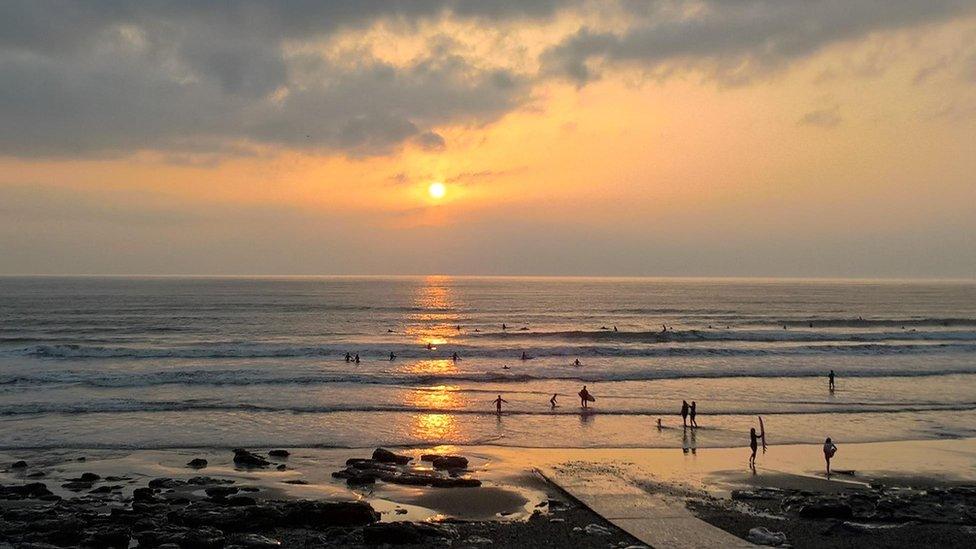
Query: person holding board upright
[(585, 397)]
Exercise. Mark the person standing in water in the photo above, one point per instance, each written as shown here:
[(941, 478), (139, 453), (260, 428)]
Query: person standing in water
[(392, 356), (524, 356), (830, 381), (498, 403), (692, 412), (754, 442), (576, 362), (455, 357), (584, 397), (684, 413), (552, 401), (348, 357), (829, 449), (357, 358)]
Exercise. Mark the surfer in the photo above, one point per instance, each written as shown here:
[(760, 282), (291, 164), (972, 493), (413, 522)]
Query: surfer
[(348, 357), (552, 401), (504, 327), (660, 426), (829, 449), (524, 356), (754, 442), (684, 413), (615, 328), (692, 412), (357, 358), (830, 380), (576, 362), (498, 403), (430, 346), (455, 357), (392, 357), (585, 397)]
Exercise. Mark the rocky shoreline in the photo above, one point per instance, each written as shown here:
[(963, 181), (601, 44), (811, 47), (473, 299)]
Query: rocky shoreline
[(206, 512), (854, 515)]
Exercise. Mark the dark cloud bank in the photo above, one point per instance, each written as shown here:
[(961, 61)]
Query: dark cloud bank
[(112, 77)]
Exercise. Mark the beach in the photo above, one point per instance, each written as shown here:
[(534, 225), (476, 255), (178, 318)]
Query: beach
[(514, 503)]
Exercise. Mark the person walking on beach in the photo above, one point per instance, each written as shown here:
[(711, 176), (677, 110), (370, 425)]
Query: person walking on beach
[(754, 442), (692, 412), (830, 381), (684, 413), (829, 449), (498, 403), (552, 401), (585, 397)]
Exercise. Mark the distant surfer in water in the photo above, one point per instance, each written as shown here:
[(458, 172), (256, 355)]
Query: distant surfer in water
[(684, 413), (829, 449), (455, 357), (577, 363), (754, 442), (524, 356), (430, 346), (552, 401), (660, 426), (830, 381), (498, 403), (504, 327), (585, 397), (348, 357), (692, 412), (392, 357), (357, 358)]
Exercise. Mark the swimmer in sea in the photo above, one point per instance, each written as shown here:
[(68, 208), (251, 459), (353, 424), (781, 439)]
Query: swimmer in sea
[(357, 358), (455, 357), (576, 363), (392, 357), (524, 356), (348, 357), (552, 401), (498, 403)]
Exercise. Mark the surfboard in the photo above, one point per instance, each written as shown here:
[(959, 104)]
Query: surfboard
[(588, 397)]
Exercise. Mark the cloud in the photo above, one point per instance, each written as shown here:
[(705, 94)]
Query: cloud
[(734, 41), (827, 117), (431, 141)]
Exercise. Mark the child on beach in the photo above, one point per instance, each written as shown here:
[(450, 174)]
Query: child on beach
[(829, 449)]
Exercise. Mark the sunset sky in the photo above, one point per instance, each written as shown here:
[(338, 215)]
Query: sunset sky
[(700, 138)]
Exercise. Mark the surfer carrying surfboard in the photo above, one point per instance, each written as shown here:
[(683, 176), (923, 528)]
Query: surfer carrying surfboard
[(585, 397), (754, 442)]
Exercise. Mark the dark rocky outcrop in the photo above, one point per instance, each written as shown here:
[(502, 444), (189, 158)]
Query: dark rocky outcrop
[(249, 460), (403, 533), (279, 453), (197, 463), (383, 455)]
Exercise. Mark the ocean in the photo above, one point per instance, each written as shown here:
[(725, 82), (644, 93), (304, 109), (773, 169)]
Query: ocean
[(188, 362)]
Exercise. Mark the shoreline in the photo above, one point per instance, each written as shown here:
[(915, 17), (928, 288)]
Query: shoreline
[(512, 502)]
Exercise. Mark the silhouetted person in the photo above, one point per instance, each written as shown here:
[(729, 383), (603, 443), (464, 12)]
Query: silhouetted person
[(524, 356), (615, 328), (458, 327), (498, 403), (348, 357), (584, 397), (392, 357), (692, 412), (552, 401), (430, 346), (829, 449), (455, 357), (576, 362), (504, 327), (357, 358), (660, 425), (754, 442), (830, 380), (684, 413)]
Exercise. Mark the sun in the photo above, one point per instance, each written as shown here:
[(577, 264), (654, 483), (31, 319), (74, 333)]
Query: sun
[(437, 190)]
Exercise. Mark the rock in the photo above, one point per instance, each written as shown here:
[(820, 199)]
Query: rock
[(88, 477), (143, 495), (296, 481), (162, 483), (254, 541), (101, 490), (240, 501), (763, 536), (243, 458), (36, 474), (826, 510), (197, 463), (114, 537), (597, 530), (402, 533), (19, 465), (25, 491), (478, 540), (77, 485), (383, 455), (281, 467), (326, 514), (279, 453), (450, 462), (200, 481)]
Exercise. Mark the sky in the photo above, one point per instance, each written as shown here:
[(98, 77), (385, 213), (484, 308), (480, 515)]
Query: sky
[(812, 138)]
